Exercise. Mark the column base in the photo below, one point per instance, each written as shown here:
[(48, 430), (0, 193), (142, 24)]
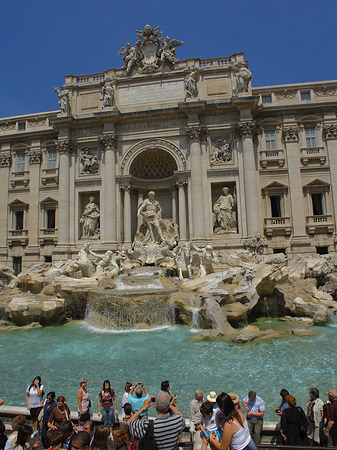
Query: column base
[(301, 245)]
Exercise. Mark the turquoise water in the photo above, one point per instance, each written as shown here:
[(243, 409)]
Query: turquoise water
[(61, 355)]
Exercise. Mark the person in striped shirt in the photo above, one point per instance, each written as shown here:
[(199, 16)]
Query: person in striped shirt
[(167, 426)]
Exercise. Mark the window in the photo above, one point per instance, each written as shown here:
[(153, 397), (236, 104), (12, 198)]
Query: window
[(50, 218), (322, 250), (22, 126), (270, 139), (266, 99), (310, 136), (305, 96), (18, 224), (52, 159), (279, 250), (48, 259), (17, 264), (317, 204), (20, 162), (275, 204)]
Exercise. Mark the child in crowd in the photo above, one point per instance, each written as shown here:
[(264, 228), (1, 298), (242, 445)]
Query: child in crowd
[(208, 423)]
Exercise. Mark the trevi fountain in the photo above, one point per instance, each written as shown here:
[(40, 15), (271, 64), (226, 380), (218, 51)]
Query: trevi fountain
[(162, 310)]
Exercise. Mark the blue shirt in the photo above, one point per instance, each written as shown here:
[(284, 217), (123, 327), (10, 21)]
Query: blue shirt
[(137, 403), (254, 407)]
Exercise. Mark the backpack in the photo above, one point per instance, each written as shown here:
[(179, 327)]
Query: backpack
[(148, 441)]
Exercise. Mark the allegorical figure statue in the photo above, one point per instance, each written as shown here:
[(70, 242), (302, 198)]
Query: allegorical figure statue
[(224, 210), (63, 100), (130, 57), (90, 219), (190, 84), (108, 94), (244, 76), (151, 211)]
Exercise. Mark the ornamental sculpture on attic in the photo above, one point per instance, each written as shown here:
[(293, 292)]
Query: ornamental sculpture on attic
[(150, 53)]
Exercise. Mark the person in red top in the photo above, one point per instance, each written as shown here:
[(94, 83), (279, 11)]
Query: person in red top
[(331, 414), (106, 402), (59, 414)]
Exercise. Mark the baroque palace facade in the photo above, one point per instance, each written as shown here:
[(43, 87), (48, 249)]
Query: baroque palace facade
[(185, 130)]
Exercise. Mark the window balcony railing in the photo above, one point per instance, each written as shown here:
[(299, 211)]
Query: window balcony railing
[(50, 176), (320, 224), (271, 158), (17, 237), (313, 155), (277, 225), (48, 236)]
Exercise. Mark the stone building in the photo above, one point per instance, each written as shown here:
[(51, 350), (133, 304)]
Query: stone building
[(186, 130)]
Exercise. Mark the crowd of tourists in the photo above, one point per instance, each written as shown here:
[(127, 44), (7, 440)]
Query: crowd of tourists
[(216, 421)]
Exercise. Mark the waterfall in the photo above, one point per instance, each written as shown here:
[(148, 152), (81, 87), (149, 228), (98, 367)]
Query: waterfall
[(195, 306), (266, 311)]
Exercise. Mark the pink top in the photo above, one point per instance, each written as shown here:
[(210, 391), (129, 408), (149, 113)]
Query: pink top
[(84, 401)]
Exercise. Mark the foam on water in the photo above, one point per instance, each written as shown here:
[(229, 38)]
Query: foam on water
[(101, 330)]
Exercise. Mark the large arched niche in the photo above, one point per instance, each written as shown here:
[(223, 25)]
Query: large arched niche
[(153, 164), (153, 159)]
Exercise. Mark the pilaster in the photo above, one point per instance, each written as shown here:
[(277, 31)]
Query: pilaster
[(245, 133), (182, 209), (64, 147), (330, 136), (5, 165), (195, 134), (108, 143)]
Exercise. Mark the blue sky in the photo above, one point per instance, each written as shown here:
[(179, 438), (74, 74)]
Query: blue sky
[(43, 40)]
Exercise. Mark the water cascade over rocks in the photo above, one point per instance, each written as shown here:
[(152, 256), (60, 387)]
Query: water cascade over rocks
[(119, 292)]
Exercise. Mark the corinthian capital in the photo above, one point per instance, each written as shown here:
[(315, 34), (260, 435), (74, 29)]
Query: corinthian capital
[(5, 160), (330, 131), (290, 134), (196, 134), (35, 157), (64, 146), (246, 130), (108, 140)]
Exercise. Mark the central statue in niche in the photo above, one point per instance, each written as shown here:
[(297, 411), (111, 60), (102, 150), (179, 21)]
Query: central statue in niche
[(155, 229), (151, 211), (155, 237)]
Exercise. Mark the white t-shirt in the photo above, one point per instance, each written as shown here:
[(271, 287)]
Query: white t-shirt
[(34, 398)]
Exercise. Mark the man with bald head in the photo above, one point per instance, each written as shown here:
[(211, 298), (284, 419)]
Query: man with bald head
[(138, 401), (331, 415)]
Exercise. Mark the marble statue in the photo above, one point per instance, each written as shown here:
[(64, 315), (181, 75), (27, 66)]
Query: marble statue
[(224, 210), (184, 259), (168, 51), (256, 245), (190, 83), (130, 57), (244, 76), (90, 220), (108, 94), (203, 259), (150, 53), (63, 100), (220, 151), (107, 264), (151, 211), (81, 264), (88, 161)]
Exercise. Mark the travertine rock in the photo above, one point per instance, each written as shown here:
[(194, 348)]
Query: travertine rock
[(25, 310)]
